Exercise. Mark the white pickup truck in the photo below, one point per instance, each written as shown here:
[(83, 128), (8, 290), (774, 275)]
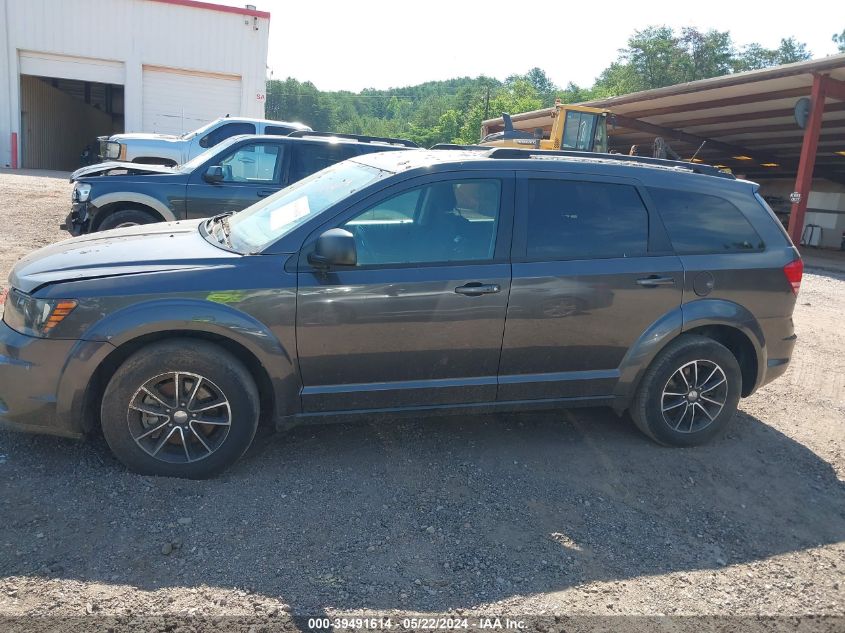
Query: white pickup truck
[(167, 149)]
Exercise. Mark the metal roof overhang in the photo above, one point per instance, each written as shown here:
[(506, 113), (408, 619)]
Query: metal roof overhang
[(744, 114)]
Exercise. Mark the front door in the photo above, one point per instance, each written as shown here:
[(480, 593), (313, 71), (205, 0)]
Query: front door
[(251, 172), (592, 271), (419, 320)]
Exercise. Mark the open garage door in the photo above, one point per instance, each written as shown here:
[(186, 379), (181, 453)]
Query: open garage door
[(178, 101), (66, 103)]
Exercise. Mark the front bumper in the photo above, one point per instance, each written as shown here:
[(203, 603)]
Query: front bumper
[(78, 220), (30, 372)]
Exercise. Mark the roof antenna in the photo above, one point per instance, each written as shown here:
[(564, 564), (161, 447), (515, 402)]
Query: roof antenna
[(698, 150)]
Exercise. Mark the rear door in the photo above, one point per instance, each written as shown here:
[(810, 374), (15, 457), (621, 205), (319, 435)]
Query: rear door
[(251, 171), (418, 321), (592, 270)]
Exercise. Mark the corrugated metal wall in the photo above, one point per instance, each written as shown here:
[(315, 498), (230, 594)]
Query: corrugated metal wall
[(55, 126)]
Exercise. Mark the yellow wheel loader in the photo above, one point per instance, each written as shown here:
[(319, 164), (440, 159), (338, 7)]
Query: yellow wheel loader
[(564, 126)]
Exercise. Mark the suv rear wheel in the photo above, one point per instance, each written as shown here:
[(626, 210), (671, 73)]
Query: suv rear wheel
[(126, 217), (689, 393), (180, 408)]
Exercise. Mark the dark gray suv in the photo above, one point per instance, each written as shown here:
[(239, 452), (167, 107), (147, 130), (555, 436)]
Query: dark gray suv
[(403, 283)]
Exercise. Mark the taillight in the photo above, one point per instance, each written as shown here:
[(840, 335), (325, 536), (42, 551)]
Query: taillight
[(794, 271)]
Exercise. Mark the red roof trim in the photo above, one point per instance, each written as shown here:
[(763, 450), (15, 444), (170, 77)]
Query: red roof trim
[(196, 4)]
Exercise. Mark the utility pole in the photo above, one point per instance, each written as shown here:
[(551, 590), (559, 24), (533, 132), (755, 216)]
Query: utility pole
[(487, 103)]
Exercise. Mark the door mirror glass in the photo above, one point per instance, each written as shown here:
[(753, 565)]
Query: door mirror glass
[(213, 174), (335, 247)]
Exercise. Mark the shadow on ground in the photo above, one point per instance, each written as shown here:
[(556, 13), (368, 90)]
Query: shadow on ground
[(425, 515)]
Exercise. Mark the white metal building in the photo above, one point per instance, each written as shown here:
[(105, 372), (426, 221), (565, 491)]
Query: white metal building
[(71, 70)]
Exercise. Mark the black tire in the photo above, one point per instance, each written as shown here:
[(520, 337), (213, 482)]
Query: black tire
[(661, 386), (126, 217), (213, 446)]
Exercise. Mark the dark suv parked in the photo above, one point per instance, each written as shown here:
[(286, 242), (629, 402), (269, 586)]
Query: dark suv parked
[(452, 281), (228, 177)]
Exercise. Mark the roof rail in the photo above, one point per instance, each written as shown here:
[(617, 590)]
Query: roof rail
[(698, 168), (354, 137), (474, 148)]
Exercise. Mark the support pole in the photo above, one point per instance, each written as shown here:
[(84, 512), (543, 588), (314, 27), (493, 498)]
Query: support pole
[(809, 146)]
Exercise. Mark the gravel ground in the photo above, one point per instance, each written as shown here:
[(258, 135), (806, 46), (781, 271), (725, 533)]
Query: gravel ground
[(572, 513)]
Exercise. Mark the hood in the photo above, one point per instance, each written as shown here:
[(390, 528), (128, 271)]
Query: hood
[(101, 169), (148, 248), (143, 136)]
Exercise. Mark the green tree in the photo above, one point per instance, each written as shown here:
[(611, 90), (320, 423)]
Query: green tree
[(839, 40), (707, 54), (617, 79), (656, 56), (519, 96), (754, 56), (791, 50), (543, 86)]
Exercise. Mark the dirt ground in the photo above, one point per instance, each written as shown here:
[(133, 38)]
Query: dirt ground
[(571, 514)]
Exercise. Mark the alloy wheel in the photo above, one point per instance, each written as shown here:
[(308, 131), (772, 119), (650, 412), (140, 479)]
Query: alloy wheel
[(179, 417), (694, 396)]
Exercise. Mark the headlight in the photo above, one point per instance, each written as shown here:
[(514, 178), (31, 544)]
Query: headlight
[(81, 192), (35, 317), (110, 149)]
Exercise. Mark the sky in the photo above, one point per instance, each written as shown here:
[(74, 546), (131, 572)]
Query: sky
[(355, 44)]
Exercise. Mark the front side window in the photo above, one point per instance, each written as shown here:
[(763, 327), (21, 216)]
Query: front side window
[(255, 163), (570, 219), (225, 131), (700, 223), (442, 222)]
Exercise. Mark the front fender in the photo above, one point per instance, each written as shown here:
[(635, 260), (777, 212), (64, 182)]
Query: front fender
[(689, 316), (140, 198), (172, 317)]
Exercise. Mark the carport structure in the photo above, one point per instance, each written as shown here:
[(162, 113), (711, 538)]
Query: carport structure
[(745, 122)]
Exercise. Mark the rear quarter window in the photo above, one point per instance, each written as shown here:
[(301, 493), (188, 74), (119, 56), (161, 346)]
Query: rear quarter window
[(701, 223)]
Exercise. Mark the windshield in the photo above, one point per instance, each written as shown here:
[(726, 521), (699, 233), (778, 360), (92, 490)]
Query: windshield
[(199, 159), (578, 131), (257, 227)]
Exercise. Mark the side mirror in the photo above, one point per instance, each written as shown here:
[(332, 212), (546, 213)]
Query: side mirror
[(213, 174), (335, 247)]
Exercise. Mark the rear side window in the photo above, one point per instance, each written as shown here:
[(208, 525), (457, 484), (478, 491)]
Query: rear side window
[(569, 219), (700, 223), (310, 158), (277, 130)]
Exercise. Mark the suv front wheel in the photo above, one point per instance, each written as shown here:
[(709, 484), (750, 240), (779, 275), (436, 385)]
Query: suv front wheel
[(689, 393), (180, 408)]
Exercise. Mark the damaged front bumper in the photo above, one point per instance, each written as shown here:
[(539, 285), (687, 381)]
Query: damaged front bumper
[(78, 220)]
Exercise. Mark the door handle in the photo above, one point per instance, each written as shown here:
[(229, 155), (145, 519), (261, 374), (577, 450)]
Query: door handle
[(476, 289), (263, 193), (654, 280)]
